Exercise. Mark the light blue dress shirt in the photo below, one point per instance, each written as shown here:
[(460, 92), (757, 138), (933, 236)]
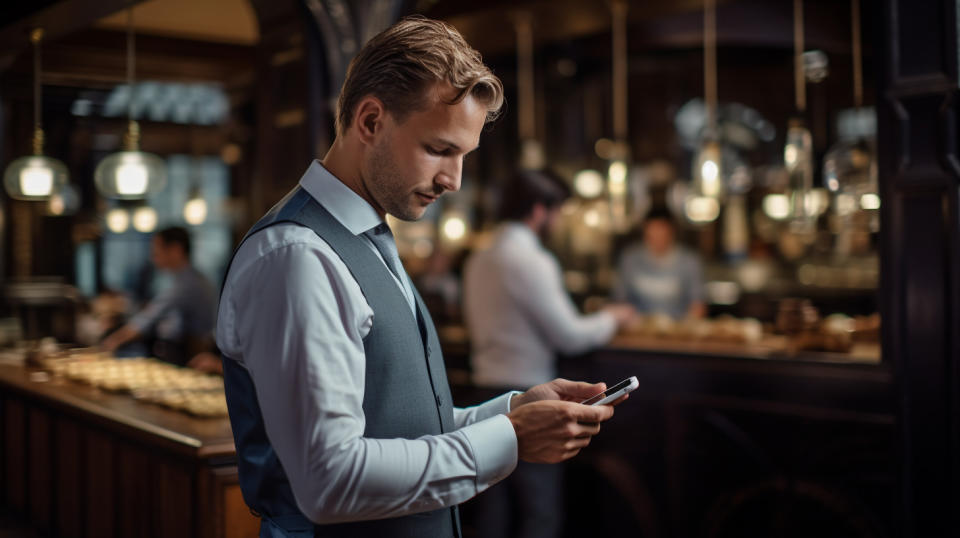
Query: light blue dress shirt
[(293, 315)]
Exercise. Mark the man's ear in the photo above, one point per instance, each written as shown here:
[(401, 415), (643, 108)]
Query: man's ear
[(368, 118)]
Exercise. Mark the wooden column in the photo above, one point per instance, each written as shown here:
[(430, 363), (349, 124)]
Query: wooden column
[(920, 253)]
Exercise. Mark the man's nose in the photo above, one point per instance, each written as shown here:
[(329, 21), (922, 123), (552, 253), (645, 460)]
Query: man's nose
[(449, 178)]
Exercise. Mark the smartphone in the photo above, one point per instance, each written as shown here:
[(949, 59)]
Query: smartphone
[(614, 392)]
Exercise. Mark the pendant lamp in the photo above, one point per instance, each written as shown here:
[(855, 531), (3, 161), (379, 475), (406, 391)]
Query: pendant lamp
[(850, 167), (531, 150), (703, 204), (131, 173), (798, 151), (35, 177), (618, 169)]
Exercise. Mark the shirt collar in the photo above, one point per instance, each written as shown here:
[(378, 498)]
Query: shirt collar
[(355, 213), (520, 232)]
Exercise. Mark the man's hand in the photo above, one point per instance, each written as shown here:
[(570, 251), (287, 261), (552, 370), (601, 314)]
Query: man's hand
[(623, 313), (119, 337), (560, 389), (207, 362), (551, 431)]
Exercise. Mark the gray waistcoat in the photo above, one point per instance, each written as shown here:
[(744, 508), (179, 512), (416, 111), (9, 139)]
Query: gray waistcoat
[(405, 395)]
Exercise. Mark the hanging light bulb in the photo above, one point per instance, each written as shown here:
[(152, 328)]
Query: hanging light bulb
[(798, 160), (35, 177), (130, 174), (195, 210), (118, 220), (588, 183), (454, 228), (707, 177), (144, 219), (617, 178)]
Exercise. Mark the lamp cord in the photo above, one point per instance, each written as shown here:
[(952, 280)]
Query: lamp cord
[(35, 37), (710, 63), (131, 64), (798, 71), (857, 54)]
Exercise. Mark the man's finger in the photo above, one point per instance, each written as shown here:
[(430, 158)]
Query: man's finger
[(593, 413), (618, 401), (587, 429), (578, 390)]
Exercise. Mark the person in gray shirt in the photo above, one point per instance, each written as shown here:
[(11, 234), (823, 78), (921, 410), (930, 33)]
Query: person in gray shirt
[(659, 276), (181, 317)]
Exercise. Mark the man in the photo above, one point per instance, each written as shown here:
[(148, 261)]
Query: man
[(520, 318), (659, 276), (335, 382), (180, 318)]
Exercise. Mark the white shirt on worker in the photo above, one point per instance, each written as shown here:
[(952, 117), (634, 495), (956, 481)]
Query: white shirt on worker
[(293, 315), (519, 314)]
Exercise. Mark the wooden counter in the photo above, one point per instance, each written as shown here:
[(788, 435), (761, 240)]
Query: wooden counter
[(78, 461), (730, 440), (768, 347)]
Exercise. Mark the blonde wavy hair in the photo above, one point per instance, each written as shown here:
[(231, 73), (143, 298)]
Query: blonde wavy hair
[(400, 63)]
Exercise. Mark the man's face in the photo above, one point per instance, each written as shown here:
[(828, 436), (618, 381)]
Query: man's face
[(551, 221), (658, 236), (160, 253), (411, 163)]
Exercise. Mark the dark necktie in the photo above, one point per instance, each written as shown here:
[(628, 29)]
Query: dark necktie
[(382, 239)]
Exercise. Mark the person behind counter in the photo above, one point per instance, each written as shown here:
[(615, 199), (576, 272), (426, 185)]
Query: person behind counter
[(520, 318), (334, 376), (181, 317), (659, 276)]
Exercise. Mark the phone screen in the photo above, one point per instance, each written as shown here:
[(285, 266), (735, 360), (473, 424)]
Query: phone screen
[(619, 386)]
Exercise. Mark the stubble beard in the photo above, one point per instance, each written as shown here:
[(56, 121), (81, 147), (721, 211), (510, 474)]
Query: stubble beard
[(383, 183)]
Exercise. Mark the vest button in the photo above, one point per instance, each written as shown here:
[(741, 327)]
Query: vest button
[(439, 400)]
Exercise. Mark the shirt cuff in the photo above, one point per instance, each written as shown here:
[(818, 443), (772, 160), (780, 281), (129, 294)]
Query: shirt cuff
[(494, 444), (509, 396), (491, 408)]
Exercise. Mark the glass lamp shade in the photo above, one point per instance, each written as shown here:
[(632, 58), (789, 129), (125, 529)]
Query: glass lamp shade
[(130, 175), (850, 170), (798, 160), (34, 177), (707, 171)]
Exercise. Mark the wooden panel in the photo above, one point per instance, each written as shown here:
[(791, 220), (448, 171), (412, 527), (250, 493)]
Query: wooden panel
[(135, 487), (175, 500), (238, 522), (921, 57), (99, 486), (920, 254), (15, 435), (40, 469), (219, 493), (69, 473)]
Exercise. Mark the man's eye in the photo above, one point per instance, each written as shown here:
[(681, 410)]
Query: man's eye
[(434, 151)]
